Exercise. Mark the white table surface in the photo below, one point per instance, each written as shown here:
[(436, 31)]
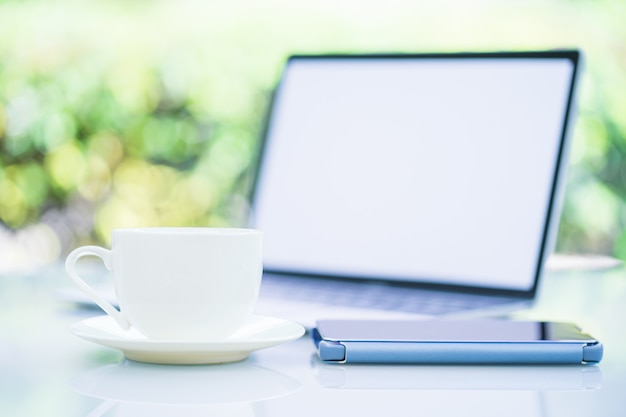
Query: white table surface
[(46, 370)]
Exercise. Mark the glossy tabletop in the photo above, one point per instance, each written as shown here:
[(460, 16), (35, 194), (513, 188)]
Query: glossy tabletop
[(47, 370)]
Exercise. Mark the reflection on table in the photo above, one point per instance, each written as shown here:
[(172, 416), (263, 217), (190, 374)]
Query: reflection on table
[(47, 370), (133, 388)]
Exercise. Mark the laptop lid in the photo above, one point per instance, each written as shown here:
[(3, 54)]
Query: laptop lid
[(435, 169)]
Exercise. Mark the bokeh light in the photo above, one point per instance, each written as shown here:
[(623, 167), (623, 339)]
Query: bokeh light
[(116, 114)]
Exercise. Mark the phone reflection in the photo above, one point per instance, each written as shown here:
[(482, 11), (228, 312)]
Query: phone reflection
[(449, 377), (132, 388)]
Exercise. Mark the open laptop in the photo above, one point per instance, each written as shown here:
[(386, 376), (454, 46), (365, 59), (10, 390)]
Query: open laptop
[(412, 185)]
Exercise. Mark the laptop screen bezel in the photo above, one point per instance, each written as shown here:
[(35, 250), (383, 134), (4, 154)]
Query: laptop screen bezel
[(556, 189)]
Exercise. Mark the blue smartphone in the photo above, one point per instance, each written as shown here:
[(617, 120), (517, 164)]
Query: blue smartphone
[(454, 342)]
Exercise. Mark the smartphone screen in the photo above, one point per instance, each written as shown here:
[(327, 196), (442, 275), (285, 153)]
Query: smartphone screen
[(450, 331)]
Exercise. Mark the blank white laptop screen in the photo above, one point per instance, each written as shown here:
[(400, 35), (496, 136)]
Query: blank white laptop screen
[(431, 170)]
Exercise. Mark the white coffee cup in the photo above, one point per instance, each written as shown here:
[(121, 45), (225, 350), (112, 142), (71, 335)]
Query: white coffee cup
[(179, 283)]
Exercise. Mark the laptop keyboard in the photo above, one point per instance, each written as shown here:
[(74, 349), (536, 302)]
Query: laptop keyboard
[(372, 296)]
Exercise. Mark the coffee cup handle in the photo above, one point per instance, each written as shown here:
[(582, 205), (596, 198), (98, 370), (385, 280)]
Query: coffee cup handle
[(105, 256)]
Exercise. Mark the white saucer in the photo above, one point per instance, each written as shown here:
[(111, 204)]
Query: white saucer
[(258, 333)]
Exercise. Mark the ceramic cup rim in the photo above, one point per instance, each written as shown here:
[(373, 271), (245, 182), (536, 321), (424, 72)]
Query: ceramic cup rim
[(216, 231)]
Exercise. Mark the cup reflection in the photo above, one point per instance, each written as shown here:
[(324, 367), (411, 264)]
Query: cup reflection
[(133, 388)]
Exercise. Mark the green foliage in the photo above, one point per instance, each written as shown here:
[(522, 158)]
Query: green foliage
[(118, 114)]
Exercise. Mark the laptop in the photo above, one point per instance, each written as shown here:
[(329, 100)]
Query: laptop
[(412, 185)]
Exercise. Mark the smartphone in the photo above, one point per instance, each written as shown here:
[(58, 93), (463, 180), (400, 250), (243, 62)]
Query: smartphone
[(454, 342)]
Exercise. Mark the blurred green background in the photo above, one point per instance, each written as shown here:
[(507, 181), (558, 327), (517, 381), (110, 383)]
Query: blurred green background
[(146, 113)]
